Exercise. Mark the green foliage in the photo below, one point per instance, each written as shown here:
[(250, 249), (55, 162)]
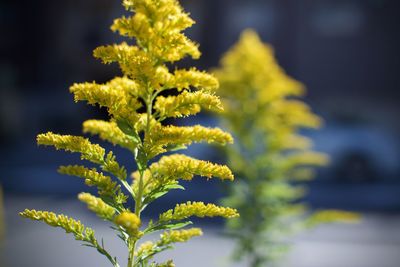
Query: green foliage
[(270, 157), (137, 114)]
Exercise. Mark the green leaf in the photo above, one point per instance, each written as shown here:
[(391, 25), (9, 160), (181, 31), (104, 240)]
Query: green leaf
[(159, 192), (174, 147), (164, 226), (127, 129)]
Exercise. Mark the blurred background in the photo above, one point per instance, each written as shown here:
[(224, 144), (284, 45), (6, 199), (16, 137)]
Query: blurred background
[(344, 51)]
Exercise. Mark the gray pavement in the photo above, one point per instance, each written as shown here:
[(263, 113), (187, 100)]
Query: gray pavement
[(375, 242)]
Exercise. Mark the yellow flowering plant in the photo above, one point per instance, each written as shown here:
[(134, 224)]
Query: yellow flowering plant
[(270, 157), (137, 122)]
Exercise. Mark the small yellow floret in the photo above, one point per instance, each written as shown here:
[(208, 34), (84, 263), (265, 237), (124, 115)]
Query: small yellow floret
[(89, 151), (110, 132), (179, 166), (198, 209), (175, 236), (145, 248), (68, 224), (92, 178), (184, 79), (165, 135), (97, 205), (186, 103)]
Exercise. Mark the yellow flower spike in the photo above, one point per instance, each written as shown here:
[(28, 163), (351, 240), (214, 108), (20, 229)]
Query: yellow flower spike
[(198, 209), (68, 224), (98, 206), (120, 103), (164, 135), (92, 178), (186, 104), (110, 132), (167, 43), (89, 151), (130, 222), (183, 167), (185, 79), (112, 166), (178, 236), (145, 248)]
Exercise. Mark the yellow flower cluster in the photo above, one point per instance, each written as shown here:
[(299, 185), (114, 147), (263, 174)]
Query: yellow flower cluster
[(175, 236), (68, 224), (117, 99), (187, 103), (198, 209), (268, 99), (166, 239), (145, 248), (186, 135), (92, 178), (160, 36), (270, 117), (89, 151), (98, 206), (109, 131), (185, 79), (179, 166), (130, 221)]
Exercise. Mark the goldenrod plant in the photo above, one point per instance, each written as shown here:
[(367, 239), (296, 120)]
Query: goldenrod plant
[(137, 123), (270, 157)]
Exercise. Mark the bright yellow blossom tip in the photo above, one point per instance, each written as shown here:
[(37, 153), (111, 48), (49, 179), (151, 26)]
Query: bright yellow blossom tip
[(92, 178), (175, 236), (185, 79), (179, 166), (165, 135), (118, 95), (198, 209), (68, 224), (110, 132), (89, 151), (129, 221), (186, 104), (145, 248), (98, 206)]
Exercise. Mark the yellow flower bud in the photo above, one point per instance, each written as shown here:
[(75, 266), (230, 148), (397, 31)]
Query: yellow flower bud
[(129, 221)]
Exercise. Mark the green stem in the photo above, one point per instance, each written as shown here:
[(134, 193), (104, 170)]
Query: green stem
[(105, 253), (142, 167), (131, 258)]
